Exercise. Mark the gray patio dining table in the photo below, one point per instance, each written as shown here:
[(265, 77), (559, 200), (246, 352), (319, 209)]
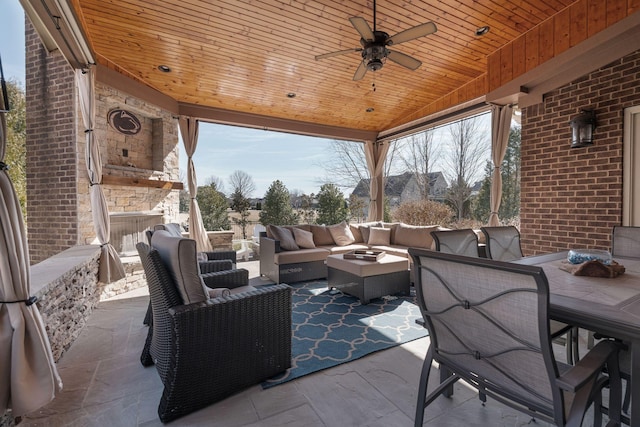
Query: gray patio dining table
[(610, 306)]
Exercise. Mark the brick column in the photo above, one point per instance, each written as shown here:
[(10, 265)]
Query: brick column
[(52, 222)]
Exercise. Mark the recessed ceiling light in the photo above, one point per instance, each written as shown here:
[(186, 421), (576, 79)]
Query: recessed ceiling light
[(370, 110), (164, 68), (481, 31), (291, 95)]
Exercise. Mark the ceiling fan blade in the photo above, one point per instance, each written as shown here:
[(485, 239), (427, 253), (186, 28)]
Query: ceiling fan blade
[(404, 60), (340, 52), (362, 28), (360, 72), (413, 33)]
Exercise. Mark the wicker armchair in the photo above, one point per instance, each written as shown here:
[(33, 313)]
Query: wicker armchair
[(205, 351), (221, 262), (495, 337), (220, 255)]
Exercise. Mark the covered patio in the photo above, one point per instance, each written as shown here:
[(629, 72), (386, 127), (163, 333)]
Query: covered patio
[(106, 385), (175, 64)]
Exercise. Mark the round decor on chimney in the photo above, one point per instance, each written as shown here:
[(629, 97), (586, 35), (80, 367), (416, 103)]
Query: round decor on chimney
[(124, 121)]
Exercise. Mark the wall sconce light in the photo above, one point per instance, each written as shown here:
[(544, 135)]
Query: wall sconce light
[(582, 127)]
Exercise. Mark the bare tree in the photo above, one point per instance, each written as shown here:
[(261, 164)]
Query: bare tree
[(242, 185), (217, 181), (242, 182), (418, 154), (465, 160), (348, 164)]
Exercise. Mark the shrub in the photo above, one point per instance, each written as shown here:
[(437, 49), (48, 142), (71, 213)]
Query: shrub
[(423, 212)]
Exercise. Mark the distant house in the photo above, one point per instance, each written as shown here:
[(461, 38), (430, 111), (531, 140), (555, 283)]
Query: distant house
[(403, 188)]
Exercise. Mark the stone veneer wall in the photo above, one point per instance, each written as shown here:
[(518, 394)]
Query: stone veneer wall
[(134, 279), (571, 198), (152, 154), (68, 290)]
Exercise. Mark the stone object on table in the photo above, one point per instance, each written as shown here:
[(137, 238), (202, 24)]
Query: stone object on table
[(593, 268)]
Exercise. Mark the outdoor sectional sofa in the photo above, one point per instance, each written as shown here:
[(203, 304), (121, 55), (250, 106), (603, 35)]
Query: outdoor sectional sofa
[(298, 253)]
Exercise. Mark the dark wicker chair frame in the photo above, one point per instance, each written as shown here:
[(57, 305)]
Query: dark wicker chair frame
[(206, 351), (461, 242), (494, 335)]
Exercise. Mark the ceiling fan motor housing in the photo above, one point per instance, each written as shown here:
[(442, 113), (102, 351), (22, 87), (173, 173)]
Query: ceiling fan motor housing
[(375, 51)]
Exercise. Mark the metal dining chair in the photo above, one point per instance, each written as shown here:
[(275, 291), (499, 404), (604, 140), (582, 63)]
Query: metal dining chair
[(503, 243), (625, 241), (494, 336), (461, 242)]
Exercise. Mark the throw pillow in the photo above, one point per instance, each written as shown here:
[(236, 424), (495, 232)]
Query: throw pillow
[(379, 236), (364, 229), (284, 235), (341, 234), (321, 236), (357, 235), (304, 239)]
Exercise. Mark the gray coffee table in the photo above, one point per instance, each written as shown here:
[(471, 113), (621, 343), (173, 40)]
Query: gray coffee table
[(367, 280)]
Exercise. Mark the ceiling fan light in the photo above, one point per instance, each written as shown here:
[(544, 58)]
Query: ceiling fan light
[(374, 64), (481, 31)]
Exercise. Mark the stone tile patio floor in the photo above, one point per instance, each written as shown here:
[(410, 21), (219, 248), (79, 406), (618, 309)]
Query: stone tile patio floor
[(105, 385)]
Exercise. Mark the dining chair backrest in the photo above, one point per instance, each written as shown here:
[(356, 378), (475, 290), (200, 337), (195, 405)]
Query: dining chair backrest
[(461, 242), (503, 243), (625, 241), (491, 331)]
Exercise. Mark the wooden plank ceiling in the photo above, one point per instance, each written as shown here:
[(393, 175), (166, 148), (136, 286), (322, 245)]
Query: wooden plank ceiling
[(246, 56)]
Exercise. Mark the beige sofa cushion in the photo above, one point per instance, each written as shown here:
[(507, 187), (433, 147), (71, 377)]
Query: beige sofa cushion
[(303, 255), (379, 236), (304, 239), (321, 235), (414, 236), (341, 234), (284, 235)]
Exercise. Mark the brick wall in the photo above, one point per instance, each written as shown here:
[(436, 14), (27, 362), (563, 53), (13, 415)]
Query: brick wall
[(571, 198), (51, 153)]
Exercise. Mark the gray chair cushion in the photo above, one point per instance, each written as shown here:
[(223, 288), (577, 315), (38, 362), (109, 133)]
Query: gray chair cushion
[(172, 228), (179, 255)]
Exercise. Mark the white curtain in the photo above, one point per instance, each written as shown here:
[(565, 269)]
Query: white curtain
[(500, 127), (28, 375), (189, 132), (111, 268), (376, 154)]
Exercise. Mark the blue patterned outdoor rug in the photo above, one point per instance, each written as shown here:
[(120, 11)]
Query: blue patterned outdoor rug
[(332, 329)]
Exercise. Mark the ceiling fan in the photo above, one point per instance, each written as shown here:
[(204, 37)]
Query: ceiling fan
[(374, 45)]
